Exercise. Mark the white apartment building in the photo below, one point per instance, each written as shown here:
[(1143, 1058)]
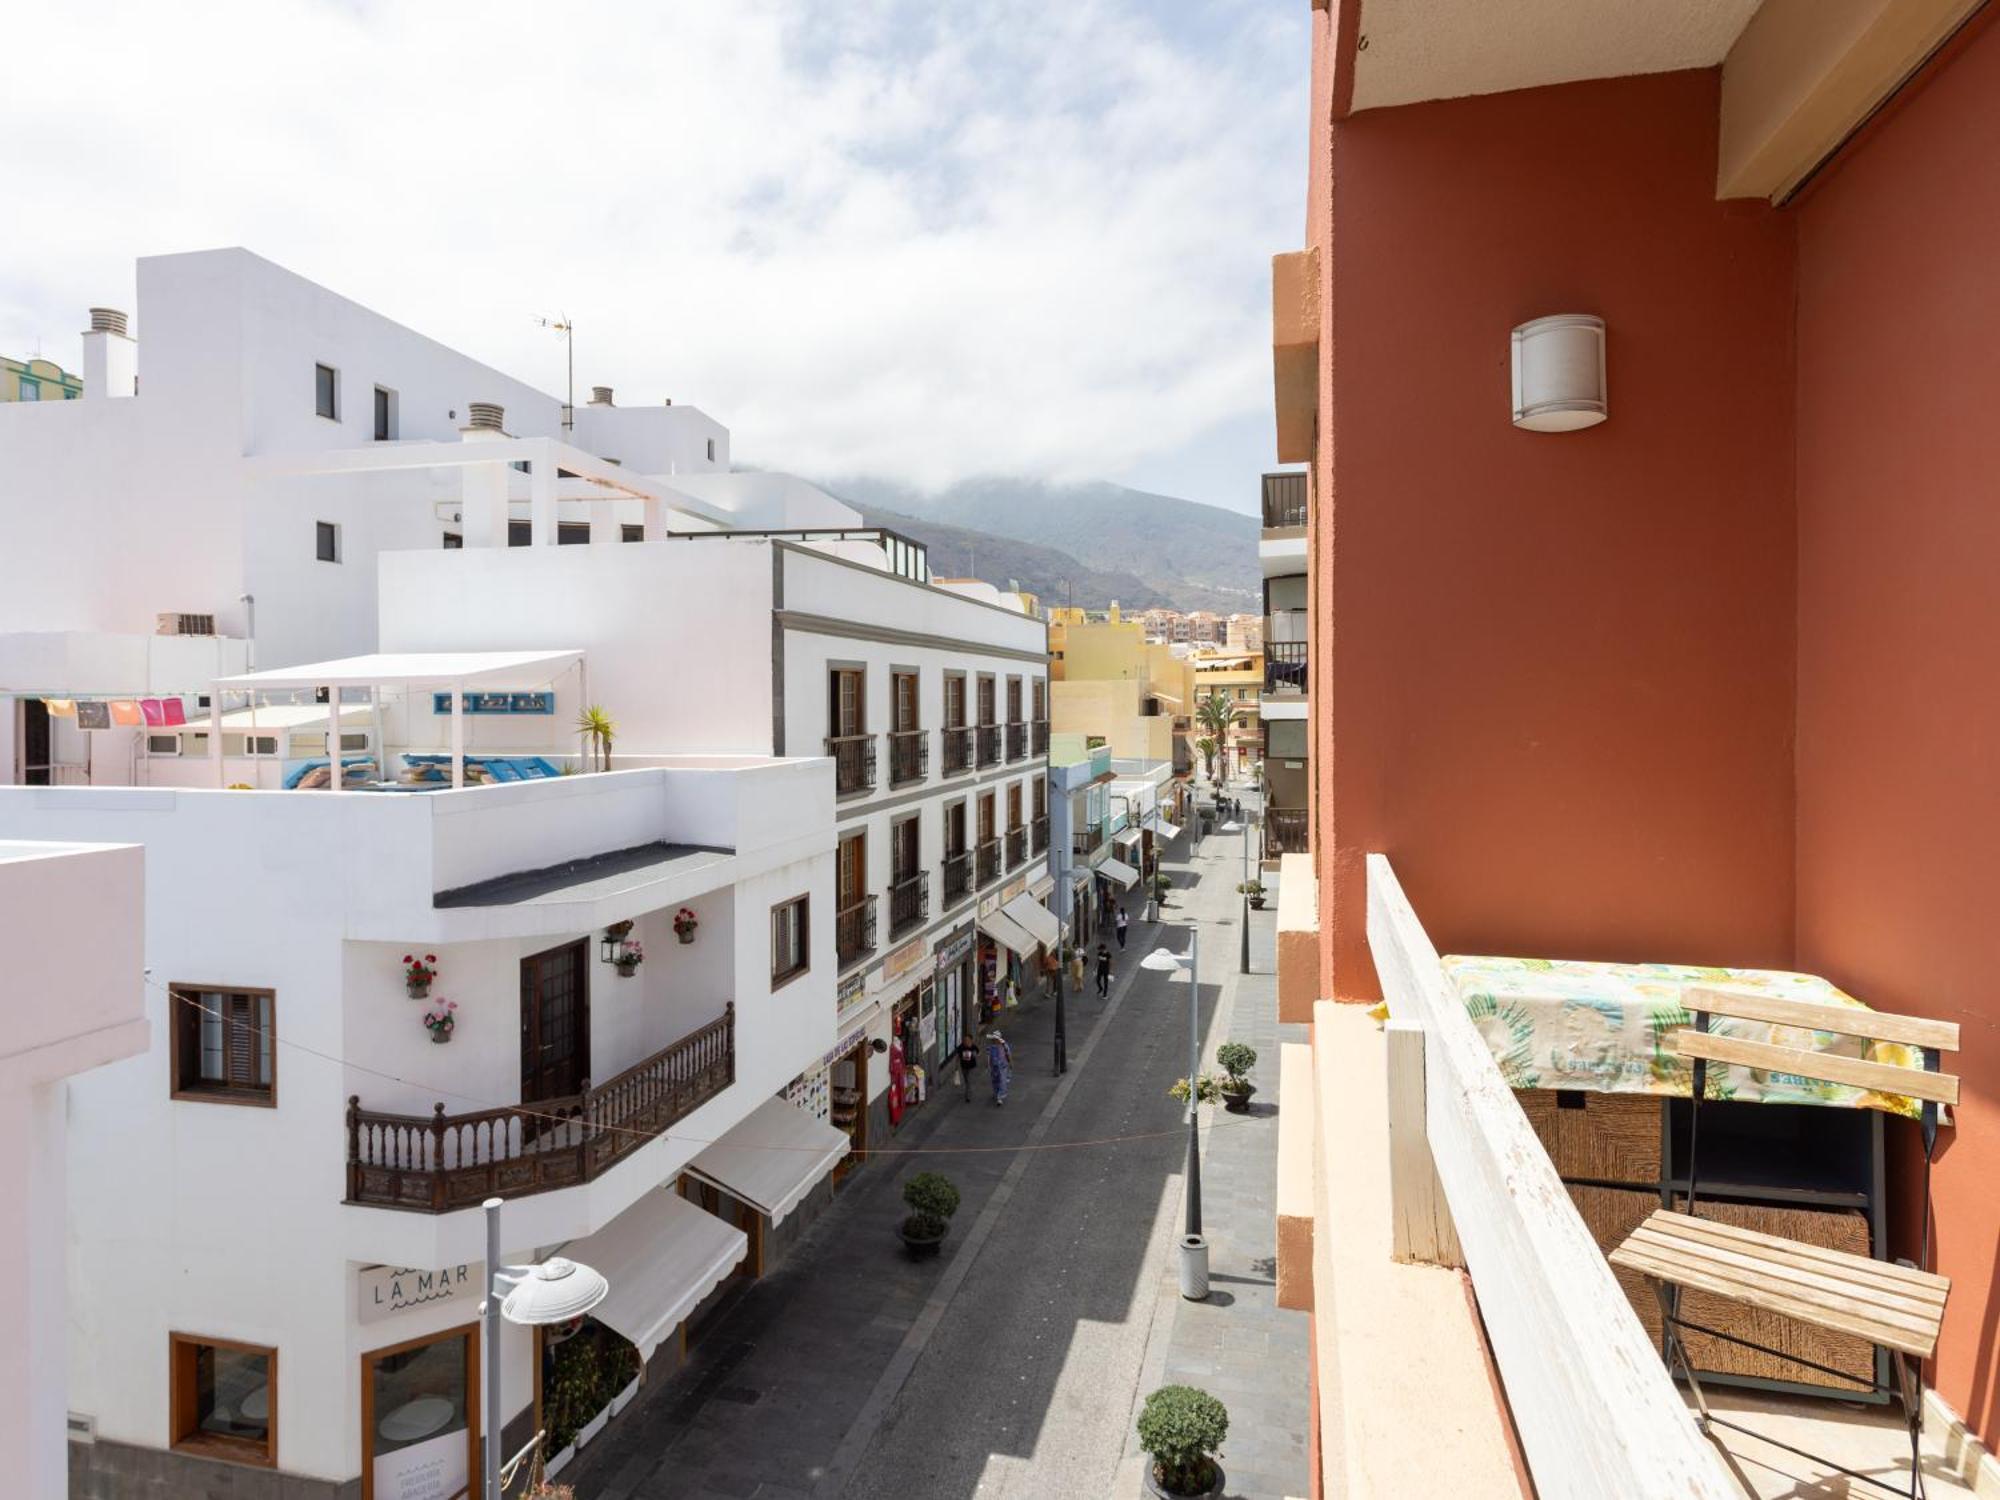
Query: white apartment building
[(1283, 708), (832, 766)]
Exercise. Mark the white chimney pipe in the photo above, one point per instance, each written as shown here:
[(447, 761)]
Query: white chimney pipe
[(110, 357)]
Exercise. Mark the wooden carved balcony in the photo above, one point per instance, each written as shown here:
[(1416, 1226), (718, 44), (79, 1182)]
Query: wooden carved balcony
[(1017, 847), (1017, 739), (1039, 834), (988, 856), (853, 762), (1041, 737), (957, 876), (957, 749), (450, 1162), (909, 756), (909, 902), (854, 930), (989, 745)]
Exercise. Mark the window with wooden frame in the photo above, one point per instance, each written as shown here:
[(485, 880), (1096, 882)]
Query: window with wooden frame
[(223, 1399), (985, 699), (1013, 804), (224, 1045), (791, 948), (1041, 797), (903, 689), (1041, 700), (846, 702), (905, 856), (954, 700), (1013, 700)]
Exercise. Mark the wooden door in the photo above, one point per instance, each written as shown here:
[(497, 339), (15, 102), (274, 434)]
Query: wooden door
[(1013, 700), (555, 1023), (1014, 805), (846, 709), (906, 702), (954, 702), (986, 700), (954, 828), (853, 868), (36, 739), (985, 817)]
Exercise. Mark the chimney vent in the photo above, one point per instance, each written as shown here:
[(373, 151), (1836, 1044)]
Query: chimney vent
[(600, 395), (670, 400), (107, 320), (485, 416)]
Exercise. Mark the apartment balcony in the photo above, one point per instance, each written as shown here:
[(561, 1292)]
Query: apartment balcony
[(987, 856), (453, 1161), (853, 762), (1017, 739), (909, 902), (909, 756), (1039, 834), (989, 745), (1284, 666), (1017, 847), (957, 749), (854, 931), (1284, 500), (1287, 830), (957, 877), (1085, 842), (1039, 744)]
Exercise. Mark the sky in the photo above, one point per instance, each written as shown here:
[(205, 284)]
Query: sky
[(917, 240)]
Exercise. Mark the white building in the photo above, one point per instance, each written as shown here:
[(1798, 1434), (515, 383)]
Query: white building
[(818, 753)]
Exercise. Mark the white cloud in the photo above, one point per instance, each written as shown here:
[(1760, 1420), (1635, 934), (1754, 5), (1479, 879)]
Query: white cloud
[(888, 236)]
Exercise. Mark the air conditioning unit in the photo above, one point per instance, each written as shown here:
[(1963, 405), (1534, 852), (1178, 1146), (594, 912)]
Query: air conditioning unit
[(172, 624)]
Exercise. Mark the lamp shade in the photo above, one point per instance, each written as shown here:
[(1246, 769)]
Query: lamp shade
[(554, 1292), (1160, 961), (1559, 373)]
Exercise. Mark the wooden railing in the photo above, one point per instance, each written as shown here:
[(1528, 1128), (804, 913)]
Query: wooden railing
[(447, 1162), (854, 930), (853, 762), (988, 857), (1591, 1400), (989, 745), (909, 756), (1017, 739), (957, 749), (909, 902)]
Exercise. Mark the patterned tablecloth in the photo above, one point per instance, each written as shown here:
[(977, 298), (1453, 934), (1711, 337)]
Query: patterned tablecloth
[(1564, 1024)]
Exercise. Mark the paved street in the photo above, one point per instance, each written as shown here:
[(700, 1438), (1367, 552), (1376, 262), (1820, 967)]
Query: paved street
[(1012, 1365)]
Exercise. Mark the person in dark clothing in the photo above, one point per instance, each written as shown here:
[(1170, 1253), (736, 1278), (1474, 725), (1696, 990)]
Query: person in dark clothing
[(1118, 925), (968, 1063), (1103, 971)]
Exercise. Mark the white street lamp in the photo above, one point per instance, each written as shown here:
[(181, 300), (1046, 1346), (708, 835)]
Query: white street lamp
[(1243, 827), (1194, 1249), (553, 1291)]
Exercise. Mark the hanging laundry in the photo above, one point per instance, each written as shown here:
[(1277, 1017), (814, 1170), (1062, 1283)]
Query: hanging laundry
[(60, 708), (126, 711), (175, 710), (153, 712), (93, 715)]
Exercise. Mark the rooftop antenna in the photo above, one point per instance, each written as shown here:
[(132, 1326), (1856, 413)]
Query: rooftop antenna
[(561, 324)]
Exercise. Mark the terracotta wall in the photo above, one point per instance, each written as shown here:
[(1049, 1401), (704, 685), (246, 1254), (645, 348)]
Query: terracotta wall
[(1899, 629), (1564, 662)]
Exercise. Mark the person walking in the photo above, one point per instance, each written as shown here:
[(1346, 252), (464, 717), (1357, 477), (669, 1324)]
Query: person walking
[(968, 1064), (1103, 971), (1118, 924), (1000, 1062)]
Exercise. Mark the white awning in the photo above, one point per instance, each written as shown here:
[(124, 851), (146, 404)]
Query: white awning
[(1036, 919), (283, 716), (1118, 870), (1041, 888), (411, 669), (661, 1256), (772, 1159), (1005, 931), (1128, 839), (1168, 832)]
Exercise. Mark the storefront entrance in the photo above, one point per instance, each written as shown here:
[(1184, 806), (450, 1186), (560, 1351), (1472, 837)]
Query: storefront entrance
[(420, 1418), (849, 1079)]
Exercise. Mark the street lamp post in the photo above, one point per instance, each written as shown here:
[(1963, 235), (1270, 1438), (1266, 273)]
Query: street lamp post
[(1194, 1249), (1062, 1029), (1242, 826), (552, 1291)]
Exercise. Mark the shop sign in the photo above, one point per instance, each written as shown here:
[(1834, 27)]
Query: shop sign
[(844, 1046), (903, 959), (388, 1290), (1012, 889), (850, 990), (951, 949)]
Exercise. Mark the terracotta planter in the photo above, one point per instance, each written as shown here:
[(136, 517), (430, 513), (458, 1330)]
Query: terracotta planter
[(626, 970), (685, 937), (439, 1038)]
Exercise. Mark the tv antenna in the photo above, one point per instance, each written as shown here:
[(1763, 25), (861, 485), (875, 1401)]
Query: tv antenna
[(561, 324)]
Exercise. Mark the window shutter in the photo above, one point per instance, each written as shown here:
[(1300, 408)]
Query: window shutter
[(240, 1041)]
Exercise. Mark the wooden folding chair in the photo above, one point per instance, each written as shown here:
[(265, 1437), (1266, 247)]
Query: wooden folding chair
[(1898, 1305)]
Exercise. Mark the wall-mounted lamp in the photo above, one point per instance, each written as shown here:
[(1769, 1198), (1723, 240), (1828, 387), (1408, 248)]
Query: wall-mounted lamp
[(1559, 373), (612, 944)]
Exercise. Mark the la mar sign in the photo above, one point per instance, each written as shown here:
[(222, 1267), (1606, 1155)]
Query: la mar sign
[(388, 1290)]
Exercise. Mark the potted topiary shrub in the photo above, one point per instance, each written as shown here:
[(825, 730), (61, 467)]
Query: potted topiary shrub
[(1160, 885), (1182, 1429), (1236, 1059), (932, 1201), (1254, 889)]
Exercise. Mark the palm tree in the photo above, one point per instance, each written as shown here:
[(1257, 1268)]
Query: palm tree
[(1213, 715), (1207, 748), (598, 730)]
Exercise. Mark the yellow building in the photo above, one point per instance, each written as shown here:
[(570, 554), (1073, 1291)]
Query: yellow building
[(1109, 683), (1239, 677), (37, 380)]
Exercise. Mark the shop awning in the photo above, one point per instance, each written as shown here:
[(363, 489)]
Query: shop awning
[(661, 1256), (1118, 870), (1041, 888), (1167, 832), (1035, 919), (1129, 839), (772, 1159), (1005, 931)]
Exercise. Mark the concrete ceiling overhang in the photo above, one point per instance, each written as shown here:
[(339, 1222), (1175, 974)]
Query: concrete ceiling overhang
[(1412, 50)]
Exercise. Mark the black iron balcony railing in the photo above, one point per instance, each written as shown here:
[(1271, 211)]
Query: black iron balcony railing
[(1040, 744), (989, 745), (957, 876), (1017, 739), (1017, 847), (1284, 666), (1087, 840), (1039, 834), (446, 1162), (1284, 500), (909, 756), (988, 857), (1287, 830), (853, 762), (957, 749), (909, 902), (854, 930)]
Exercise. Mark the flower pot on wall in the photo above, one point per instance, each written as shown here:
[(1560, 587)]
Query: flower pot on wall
[(686, 936), (627, 967), (420, 989)]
